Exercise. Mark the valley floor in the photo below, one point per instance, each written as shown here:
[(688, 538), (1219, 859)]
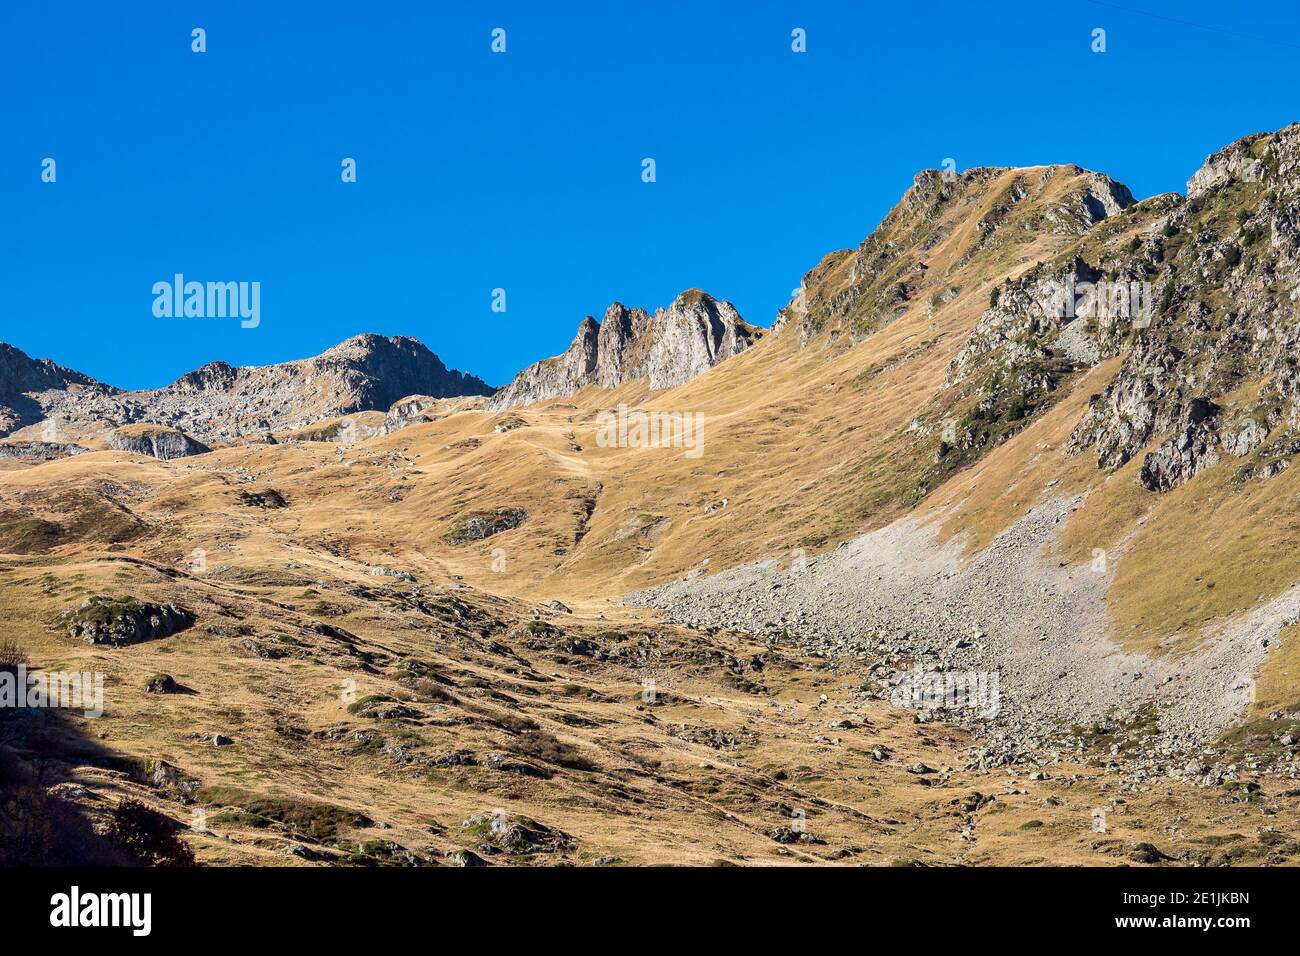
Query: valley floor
[(377, 716)]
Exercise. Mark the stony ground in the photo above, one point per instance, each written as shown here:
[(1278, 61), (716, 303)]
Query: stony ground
[(898, 599)]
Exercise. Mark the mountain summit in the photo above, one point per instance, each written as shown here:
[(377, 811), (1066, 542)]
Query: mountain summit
[(221, 401), (1011, 483), (944, 223), (28, 386), (668, 348)]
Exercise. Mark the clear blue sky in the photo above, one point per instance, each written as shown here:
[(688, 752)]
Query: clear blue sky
[(523, 171)]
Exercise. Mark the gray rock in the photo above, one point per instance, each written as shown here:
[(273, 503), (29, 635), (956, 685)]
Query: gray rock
[(38, 450), (668, 348), (156, 442), (222, 402), (465, 858), (117, 623)]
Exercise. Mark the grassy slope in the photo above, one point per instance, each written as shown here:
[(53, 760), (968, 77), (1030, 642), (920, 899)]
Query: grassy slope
[(807, 446)]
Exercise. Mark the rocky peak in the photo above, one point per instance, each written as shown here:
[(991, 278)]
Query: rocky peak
[(365, 372), (620, 331), (21, 373), (220, 401), (218, 375), (383, 370), (154, 441), (1273, 158), (694, 334), (27, 386), (950, 220), (668, 348)]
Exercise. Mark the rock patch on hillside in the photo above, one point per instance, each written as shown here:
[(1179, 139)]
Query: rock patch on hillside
[(155, 441), (118, 622)]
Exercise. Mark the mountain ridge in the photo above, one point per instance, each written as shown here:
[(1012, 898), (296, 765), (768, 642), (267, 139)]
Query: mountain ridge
[(219, 401), (931, 469), (667, 348)]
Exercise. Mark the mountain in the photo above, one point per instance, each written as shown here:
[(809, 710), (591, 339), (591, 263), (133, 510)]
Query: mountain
[(986, 212), (1217, 375), (1030, 442), (668, 348), (28, 386), (367, 372), (1084, 474), (222, 402)]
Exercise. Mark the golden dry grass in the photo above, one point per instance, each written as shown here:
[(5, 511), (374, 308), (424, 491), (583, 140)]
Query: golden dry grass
[(806, 446), (642, 791)]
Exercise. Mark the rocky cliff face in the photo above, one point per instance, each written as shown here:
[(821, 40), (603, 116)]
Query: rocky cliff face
[(38, 451), (421, 409), (1196, 294), (155, 441), (28, 386), (221, 402), (668, 348), (1225, 263), (987, 213)]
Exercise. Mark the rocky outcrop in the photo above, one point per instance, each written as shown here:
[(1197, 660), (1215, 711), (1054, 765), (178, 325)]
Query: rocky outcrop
[(269, 498), (477, 525), (1187, 454), (28, 387), (853, 293), (38, 450), (155, 441), (119, 622), (1225, 264), (169, 778), (668, 348), (1018, 325), (222, 402), (1239, 162), (408, 411)]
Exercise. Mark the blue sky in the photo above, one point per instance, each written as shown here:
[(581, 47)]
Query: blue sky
[(522, 171)]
